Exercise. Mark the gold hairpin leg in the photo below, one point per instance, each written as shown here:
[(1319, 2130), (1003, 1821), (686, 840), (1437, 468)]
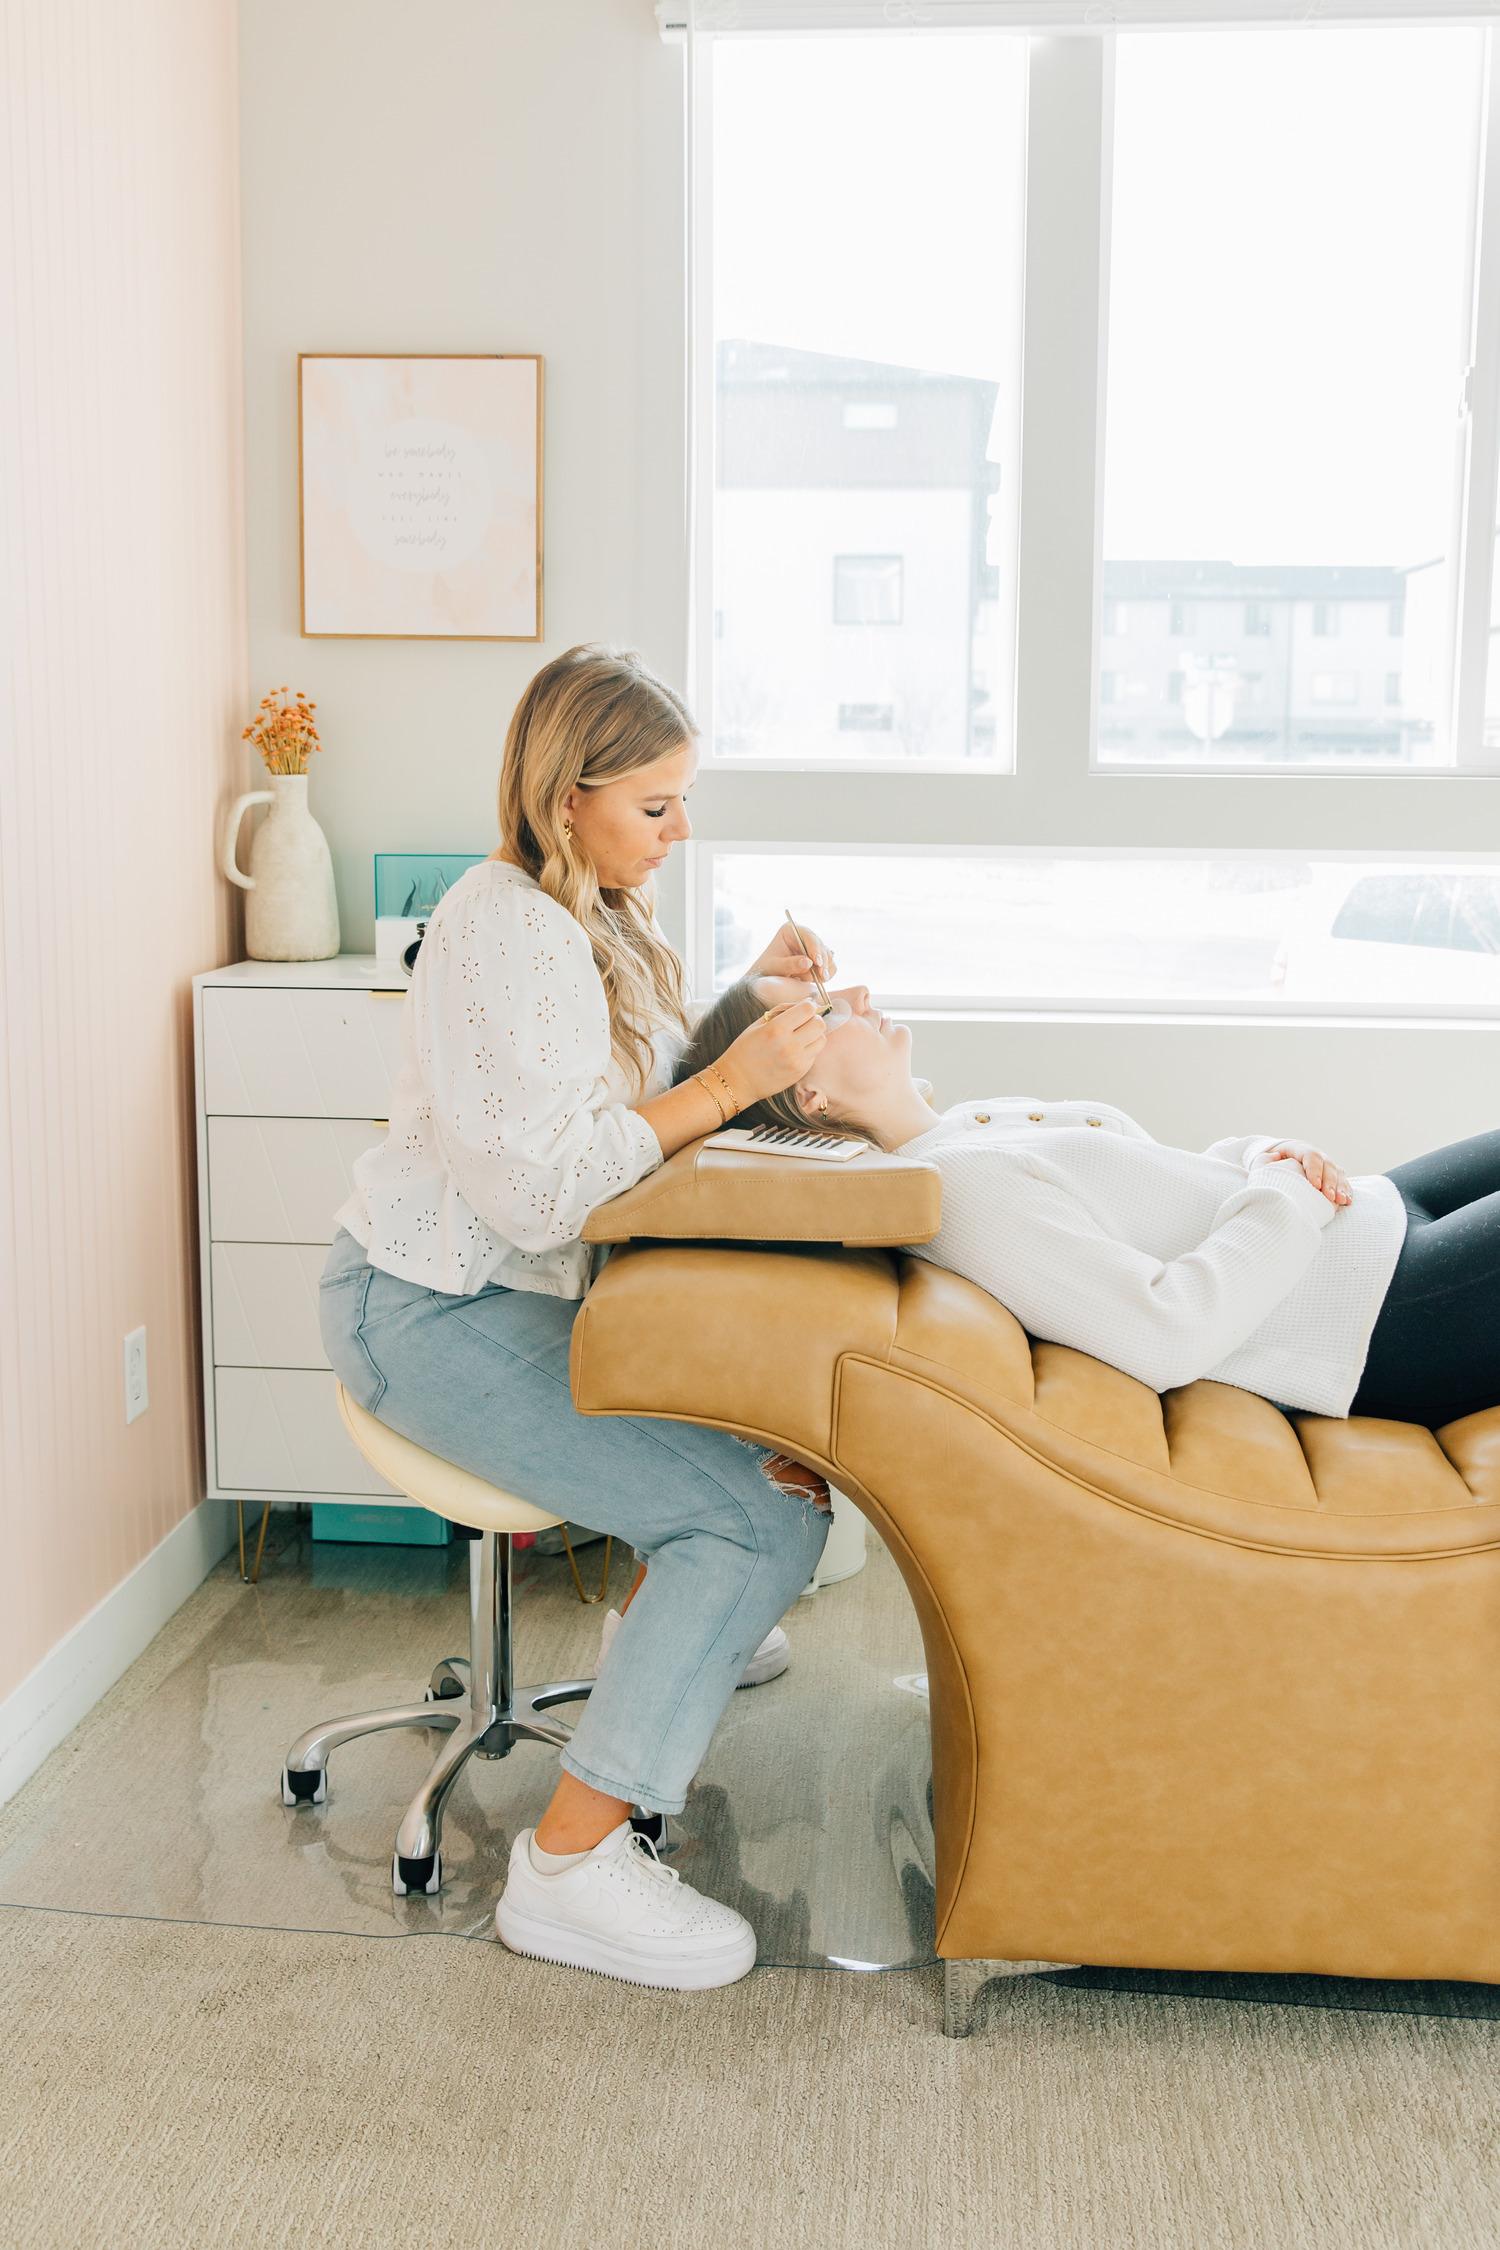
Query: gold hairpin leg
[(591, 1599), (260, 1544)]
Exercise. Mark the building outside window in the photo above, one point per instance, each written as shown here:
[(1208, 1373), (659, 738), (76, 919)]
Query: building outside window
[(867, 589)]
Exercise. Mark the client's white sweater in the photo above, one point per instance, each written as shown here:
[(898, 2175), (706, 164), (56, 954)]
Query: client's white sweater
[(1165, 1262)]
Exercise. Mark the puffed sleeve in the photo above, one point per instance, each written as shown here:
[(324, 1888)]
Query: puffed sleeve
[(512, 1029)]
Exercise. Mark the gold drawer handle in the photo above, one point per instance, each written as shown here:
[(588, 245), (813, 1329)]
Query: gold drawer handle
[(389, 991)]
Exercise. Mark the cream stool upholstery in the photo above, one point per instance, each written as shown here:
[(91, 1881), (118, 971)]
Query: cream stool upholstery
[(496, 1714)]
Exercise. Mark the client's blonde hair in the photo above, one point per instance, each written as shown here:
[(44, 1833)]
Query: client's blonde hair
[(592, 715)]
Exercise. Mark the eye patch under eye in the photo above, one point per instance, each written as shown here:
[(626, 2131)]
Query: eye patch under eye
[(839, 1011)]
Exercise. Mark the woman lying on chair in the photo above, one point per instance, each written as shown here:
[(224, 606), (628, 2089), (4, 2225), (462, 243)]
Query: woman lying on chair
[(1257, 1262)]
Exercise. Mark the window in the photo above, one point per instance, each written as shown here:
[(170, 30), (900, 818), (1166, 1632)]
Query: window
[(1253, 554), (867, 589), (1278, 331), (860, 356), (1237, 931), (869, 414)]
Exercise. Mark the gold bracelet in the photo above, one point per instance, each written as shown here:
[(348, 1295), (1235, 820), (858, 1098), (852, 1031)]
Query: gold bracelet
[(735, 1104), (699, 1079)]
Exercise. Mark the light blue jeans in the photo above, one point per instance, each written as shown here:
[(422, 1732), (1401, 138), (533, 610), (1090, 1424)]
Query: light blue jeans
[(483, 1382)]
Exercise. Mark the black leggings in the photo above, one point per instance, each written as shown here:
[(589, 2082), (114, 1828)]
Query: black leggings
[(1435, 1352)]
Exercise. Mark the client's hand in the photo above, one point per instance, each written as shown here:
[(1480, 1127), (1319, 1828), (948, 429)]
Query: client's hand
[(776, 1050), (783, 957), (1320, 1170)]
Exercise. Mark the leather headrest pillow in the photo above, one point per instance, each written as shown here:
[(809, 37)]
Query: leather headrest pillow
[(740, 1195)]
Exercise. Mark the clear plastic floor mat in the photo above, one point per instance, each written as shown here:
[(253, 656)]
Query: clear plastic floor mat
[(811, 1814)]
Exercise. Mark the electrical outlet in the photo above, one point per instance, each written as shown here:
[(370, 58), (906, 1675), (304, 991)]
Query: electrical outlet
[(136, 1398)]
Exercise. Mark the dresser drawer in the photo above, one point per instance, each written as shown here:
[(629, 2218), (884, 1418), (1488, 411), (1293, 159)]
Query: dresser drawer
[(280, 1179), (265, 1304), (280, 1430), (271, 1052)]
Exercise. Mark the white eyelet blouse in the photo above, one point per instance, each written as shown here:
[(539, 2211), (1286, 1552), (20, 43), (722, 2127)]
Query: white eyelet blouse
[(510, 1118)]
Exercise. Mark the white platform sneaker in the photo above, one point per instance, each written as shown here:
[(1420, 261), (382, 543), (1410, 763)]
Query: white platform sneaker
[(768, 1661), (620, 1912)]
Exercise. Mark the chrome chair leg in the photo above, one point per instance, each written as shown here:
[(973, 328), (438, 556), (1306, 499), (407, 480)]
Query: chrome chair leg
[(420, 1835), (311, 1752), (472, 1699), (449, 1678)]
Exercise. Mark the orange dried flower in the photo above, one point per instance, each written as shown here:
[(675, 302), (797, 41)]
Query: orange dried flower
[(286, 735)]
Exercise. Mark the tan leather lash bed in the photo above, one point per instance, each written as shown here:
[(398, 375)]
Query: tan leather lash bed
[(1211, 1688)]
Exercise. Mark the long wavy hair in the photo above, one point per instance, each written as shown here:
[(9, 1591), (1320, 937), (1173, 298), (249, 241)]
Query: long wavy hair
[(592, 715), (718, 1027)]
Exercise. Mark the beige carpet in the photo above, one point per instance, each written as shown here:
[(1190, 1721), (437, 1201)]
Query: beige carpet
[(188, 2085)]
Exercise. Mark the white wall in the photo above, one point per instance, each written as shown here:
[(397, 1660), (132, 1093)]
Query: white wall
[(499, 175), (488, 175)]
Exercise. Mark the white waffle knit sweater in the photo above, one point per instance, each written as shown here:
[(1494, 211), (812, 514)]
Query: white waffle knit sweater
[(1165, 1262)]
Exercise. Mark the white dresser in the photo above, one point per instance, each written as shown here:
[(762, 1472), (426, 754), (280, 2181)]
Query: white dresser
[(295, 1065)]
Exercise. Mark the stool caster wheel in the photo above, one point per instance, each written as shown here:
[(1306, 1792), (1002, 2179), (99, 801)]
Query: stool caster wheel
[(651, 1825), (445, 1694), (412, 1875), (304, 1788)]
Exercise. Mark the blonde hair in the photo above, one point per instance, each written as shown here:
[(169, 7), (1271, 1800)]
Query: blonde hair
[(592, 715), (717, 1028)]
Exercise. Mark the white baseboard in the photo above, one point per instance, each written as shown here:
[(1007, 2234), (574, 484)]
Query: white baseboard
[(87, 1661)]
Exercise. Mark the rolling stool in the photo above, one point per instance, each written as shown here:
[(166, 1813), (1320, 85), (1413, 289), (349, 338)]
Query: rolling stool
[(497, 1715)]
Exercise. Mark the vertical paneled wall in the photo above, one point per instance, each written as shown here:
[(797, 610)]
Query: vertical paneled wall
[(121, 703)]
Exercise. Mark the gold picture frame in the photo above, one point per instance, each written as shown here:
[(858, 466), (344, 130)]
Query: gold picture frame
[(413, 459)]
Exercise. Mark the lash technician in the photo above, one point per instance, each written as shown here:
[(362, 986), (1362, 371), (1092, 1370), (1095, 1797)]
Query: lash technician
[(545, 1017)]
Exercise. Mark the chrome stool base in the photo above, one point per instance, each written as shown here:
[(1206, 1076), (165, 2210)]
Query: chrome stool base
[(485, 1713)]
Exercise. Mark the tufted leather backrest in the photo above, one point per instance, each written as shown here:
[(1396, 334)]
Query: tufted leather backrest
[(1207, 1442), (757, 1339)]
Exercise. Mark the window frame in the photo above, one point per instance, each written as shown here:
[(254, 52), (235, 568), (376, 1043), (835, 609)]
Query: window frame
[(1048, 788)]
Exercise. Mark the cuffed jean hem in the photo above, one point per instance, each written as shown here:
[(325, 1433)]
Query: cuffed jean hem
[(631, 1793)]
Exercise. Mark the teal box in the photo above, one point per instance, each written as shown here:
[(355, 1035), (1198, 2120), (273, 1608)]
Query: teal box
[(392, 1527)]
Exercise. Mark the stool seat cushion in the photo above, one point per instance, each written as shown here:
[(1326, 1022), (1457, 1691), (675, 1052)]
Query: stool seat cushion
[(437, 1484)]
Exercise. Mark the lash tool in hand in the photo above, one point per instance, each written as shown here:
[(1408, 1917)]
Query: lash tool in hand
[(829, 1007)]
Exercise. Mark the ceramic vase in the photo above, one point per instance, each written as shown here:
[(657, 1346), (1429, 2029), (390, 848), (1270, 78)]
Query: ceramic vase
[(291, 911)]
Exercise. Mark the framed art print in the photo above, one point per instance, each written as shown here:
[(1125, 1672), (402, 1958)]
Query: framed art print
[(421, 495)]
